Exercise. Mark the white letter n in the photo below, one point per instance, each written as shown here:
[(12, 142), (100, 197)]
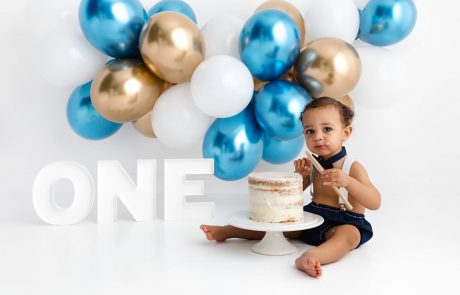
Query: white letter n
[(115, 184)]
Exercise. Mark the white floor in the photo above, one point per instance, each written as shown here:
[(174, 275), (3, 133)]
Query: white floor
[(415, 250)]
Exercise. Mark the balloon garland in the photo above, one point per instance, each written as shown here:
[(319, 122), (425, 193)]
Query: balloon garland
[(239, 86)]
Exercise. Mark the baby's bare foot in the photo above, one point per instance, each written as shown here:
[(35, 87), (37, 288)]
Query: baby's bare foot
[(310, 265), (212, 232)]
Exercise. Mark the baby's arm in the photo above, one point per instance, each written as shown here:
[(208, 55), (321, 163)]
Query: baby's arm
[(357, 184), (302, 166), (362, 189)]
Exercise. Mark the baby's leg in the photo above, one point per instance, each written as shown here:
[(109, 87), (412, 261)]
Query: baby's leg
[(339, 241), (293, 235), (221, 233)]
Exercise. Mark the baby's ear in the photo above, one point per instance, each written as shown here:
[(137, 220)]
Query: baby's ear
[(347, 132)]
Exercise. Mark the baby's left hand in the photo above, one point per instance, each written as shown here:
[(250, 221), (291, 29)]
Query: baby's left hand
[(335, 177)]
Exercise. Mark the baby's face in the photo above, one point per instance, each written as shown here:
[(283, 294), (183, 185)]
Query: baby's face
[(324, 130)]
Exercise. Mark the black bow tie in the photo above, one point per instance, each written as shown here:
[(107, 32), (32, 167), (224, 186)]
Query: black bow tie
[(329, 163)]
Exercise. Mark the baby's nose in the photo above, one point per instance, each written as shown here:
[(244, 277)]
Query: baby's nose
[(318, 136)]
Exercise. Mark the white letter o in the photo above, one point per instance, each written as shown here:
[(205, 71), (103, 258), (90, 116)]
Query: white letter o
[(43, 193)]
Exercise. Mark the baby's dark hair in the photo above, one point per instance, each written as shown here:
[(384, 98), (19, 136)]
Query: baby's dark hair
[(346, 114)]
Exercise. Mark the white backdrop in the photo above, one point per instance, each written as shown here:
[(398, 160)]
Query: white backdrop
[(412, 147)]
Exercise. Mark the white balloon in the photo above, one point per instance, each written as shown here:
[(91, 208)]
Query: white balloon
[(332, 18), (361, 3), (221, 36), (383, 78), (65, 58), (41, 16), (222, 86), (176, 120)]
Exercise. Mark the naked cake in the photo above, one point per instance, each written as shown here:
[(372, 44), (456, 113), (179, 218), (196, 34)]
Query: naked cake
[(275, 197)]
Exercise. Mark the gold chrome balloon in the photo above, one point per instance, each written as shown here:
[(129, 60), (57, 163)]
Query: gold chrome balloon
[(124, 90), (258, 85), (165, 86), (144, 123), (172, 46), (290, 10), (289, 76), (346, 100), (328, 67)]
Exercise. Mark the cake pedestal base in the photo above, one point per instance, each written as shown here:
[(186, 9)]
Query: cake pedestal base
[(274, 242)]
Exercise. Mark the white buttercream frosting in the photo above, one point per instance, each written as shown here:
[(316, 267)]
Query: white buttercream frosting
[(275, 197)]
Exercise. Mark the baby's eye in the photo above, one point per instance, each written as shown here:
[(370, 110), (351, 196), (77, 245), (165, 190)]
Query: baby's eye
[(309, 131), (327, 129)]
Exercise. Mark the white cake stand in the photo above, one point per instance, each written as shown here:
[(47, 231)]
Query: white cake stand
[(274, 242)]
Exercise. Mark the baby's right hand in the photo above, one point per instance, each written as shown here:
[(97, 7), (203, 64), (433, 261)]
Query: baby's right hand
[(302, 166)]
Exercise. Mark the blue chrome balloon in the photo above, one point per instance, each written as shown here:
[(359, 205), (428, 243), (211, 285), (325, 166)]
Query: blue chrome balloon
[(173, 5), (269, 44), (385, 22), (84, 119), (278, 107), (113, 26), (235, 144), (281, 151)]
